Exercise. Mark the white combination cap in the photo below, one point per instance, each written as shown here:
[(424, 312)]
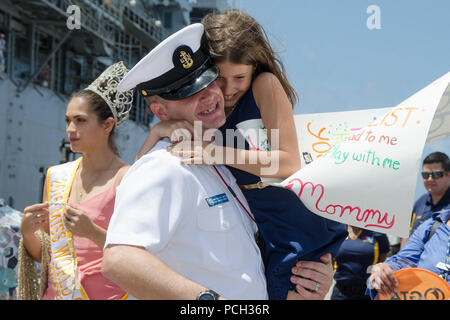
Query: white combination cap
[(175, 69)]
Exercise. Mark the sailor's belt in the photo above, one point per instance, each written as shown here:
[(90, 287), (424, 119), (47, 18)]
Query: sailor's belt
[(258, 185)]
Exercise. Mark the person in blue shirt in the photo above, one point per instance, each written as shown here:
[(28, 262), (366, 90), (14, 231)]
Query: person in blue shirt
[(421, 251), (361, 249), (436, 180)]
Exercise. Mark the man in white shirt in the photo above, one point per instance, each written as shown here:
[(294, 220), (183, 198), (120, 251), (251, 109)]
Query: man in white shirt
[(182, 232)]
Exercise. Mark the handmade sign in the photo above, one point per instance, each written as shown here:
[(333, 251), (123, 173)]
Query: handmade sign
[(360, 167)]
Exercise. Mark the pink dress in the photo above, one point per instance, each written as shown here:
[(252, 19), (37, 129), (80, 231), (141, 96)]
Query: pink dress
[(89, 256)]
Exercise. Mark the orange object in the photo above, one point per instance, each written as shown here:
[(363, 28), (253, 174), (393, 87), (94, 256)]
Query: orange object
[(419, 284)]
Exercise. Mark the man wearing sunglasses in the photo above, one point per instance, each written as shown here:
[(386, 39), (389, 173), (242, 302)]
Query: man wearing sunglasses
[(428, 246), (436, 180)]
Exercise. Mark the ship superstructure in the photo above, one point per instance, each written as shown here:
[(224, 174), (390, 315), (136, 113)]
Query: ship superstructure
[(53, 48)]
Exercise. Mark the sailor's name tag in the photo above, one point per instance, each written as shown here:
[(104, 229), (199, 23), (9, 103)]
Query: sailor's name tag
[(217, 199)]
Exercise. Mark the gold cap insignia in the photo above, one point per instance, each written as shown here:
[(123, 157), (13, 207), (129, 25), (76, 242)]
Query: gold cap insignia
[(144, 93), (186, 60)]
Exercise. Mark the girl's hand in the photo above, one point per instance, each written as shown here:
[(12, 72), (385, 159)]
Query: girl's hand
[(198, 152), (34, 217), (174, 130), (315, 278), (78, 222)]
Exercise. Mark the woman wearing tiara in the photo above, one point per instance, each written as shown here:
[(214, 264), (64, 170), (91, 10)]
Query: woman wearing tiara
[(66, 233)]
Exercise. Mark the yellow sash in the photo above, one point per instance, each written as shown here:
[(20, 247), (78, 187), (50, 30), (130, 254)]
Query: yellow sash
[(64, 259)]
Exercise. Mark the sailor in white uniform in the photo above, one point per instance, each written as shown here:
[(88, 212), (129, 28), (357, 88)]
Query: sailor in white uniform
[(181, 232)]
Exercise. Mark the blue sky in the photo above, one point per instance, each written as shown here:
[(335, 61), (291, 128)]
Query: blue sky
[(336, 63)]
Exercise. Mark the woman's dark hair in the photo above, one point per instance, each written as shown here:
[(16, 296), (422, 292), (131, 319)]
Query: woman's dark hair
[(99, 106)]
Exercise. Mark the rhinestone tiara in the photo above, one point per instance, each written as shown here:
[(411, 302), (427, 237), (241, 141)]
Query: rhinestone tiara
[(105, 86)]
